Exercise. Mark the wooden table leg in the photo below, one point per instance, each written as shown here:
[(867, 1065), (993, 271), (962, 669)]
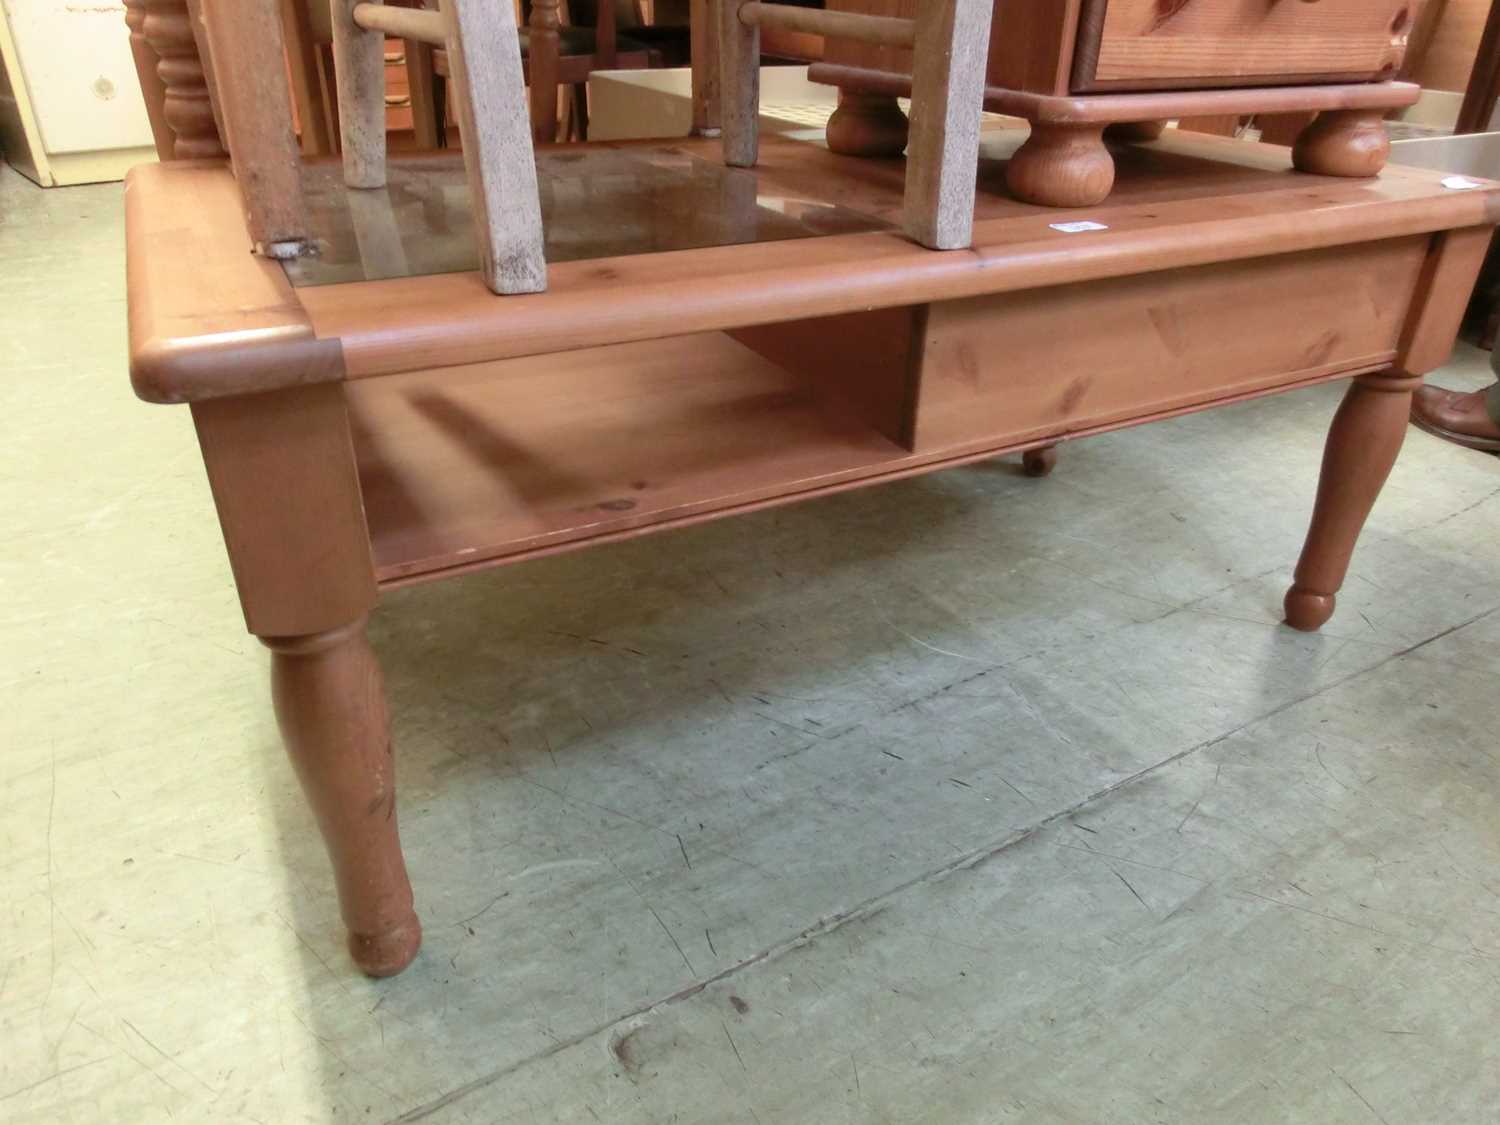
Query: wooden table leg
[(330, 705), (1039, 462), (282, 471), (1370, 424), (1366, 435)]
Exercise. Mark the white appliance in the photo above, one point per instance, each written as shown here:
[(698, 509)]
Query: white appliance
[(70, 106)]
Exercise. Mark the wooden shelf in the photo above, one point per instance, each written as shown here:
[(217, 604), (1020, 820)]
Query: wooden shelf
[(465, 466)]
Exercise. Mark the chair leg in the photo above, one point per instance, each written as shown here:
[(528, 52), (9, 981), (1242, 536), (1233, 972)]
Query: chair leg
[(498, 155), (739, 86), (544, 107), (542, 55), (307, 84), (947, 102), (704, 30), (422, 82), (359, 66)]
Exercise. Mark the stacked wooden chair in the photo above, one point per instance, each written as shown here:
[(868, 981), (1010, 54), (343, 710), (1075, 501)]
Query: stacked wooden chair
[(246, 82), (949, 40)]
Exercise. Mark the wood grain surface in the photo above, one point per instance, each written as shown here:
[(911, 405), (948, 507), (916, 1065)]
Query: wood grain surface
[(1141, 44), (1183, 201)]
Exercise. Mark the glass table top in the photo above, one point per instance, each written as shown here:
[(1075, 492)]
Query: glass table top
[(596, 203)]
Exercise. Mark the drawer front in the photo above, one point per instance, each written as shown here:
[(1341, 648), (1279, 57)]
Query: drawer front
[(1014, 367), (1163, 44)]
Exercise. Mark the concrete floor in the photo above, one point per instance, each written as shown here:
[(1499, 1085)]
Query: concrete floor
[(966, 799)]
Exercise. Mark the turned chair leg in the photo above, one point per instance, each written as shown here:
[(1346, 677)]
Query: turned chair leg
[(1365, 437), (1062, 166), (1039, 462), (1347, 142), (330, 705), (867, 125)]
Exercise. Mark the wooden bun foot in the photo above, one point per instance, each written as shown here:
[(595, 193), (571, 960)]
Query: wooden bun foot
[(1138, 131), (867, 125), (386, 954), (1348, 142), (1039, 462), (1062, 166), (1307, 611)]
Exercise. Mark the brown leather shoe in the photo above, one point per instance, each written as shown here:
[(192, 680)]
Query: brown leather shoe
[(1459, 418)]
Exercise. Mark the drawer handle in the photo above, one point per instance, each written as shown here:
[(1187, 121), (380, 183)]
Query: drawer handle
[(397, 101), (395, 58)]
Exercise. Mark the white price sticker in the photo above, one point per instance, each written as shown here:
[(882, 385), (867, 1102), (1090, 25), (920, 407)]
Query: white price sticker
[(1081, 226)]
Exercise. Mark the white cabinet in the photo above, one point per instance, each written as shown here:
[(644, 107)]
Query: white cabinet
[(73, 98)]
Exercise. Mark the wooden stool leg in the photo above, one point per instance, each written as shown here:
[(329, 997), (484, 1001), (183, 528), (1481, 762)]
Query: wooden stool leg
[(153, 89), (867, 125), (1039, 462), (947, 101), (542, 55), (1363, 441), (704, 32), (330, 705), (739, 87), (1348, 142), (422, 83), (186, 107), (1062, 166), (359, 71), (498, 157)]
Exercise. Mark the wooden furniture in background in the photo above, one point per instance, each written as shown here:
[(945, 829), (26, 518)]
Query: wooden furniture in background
[(1484, 83), (1144, 44), (172, 79), (417, 72), (1441, 53), (555, 54), (1074, 68)]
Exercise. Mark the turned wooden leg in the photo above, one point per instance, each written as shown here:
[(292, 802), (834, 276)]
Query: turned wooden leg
[(1062, 166), (1138, 131), (1346, 142), (286, 486), (867, 125), (704, 52), (167, 26), (542, 55), (330, 705), (1363, 441), (1039, 462)]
